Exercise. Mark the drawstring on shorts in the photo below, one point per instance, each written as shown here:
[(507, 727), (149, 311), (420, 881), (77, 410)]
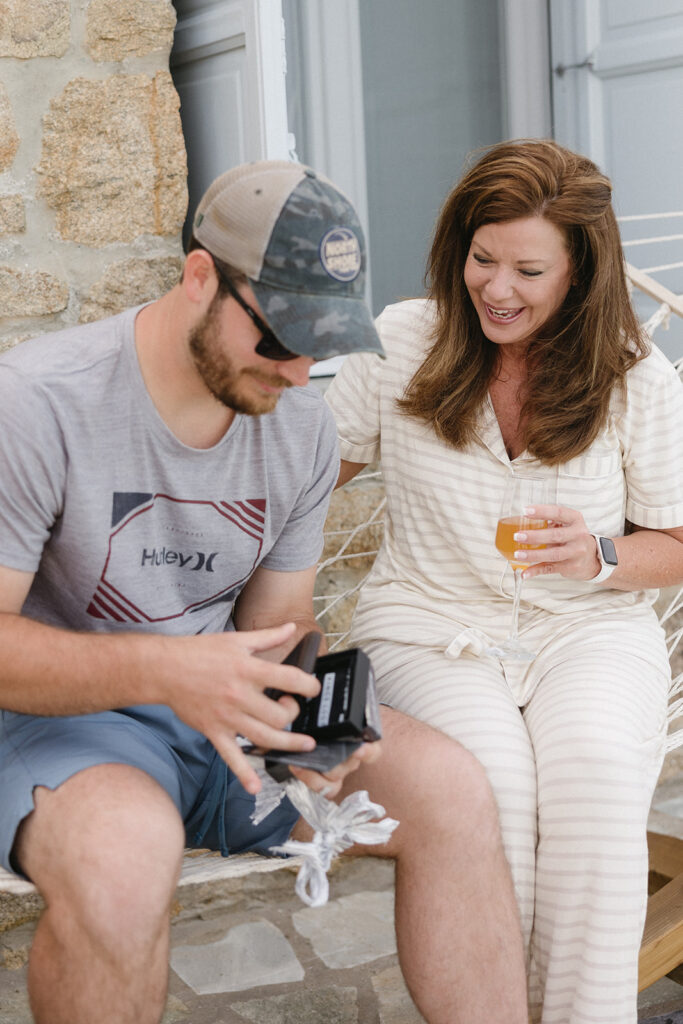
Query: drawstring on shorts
[(218, 797)]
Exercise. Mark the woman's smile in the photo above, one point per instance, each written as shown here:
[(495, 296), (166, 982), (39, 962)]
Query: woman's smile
[(505, 315), (517, 273)]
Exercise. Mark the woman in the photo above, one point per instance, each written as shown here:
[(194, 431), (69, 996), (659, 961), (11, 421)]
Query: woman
[(526, 358)]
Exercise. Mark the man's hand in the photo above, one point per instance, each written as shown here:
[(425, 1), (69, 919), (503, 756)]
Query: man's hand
[(216, 683), (331, 782)]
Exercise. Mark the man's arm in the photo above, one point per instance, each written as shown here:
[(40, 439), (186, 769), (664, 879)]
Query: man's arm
[(213, 682), (271, 598), (347, 471)]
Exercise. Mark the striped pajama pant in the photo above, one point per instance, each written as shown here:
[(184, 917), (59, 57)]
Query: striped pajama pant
[(573, 770)]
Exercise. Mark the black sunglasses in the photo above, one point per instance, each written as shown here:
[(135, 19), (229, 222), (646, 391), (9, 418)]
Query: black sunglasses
[(268, 346)]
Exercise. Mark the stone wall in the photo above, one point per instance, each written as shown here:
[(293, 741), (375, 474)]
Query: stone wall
[(92, 161)]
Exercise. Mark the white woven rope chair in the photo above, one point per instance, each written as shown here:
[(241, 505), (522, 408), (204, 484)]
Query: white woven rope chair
[(352, 539)]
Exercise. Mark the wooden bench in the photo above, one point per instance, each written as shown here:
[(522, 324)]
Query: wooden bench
[(662, 947)]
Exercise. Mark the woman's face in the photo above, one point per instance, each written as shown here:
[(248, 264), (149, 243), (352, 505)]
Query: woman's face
[(517, 274)]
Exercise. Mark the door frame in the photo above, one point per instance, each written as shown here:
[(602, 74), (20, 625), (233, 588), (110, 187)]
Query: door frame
[(258, 27), (330, 70), (526, 76)]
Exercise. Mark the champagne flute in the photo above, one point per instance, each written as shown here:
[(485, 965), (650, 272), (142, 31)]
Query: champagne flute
[(520, 493)]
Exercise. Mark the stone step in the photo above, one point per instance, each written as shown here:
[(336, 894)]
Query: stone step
[(20, 902)]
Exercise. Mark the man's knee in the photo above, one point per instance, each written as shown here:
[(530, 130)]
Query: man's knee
[(106, 847), (431, 783)]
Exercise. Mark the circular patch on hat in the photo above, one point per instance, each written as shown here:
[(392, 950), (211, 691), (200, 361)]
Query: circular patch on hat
[(340, 254)]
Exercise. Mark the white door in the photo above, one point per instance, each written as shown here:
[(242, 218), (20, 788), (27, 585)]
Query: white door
[(618, 98), (228, 65)]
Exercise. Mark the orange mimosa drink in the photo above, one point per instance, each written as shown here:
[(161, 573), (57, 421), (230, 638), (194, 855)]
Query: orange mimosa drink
[(508, 527)]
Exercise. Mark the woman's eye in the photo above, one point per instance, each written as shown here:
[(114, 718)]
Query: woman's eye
[(481, 260), (531, 273)]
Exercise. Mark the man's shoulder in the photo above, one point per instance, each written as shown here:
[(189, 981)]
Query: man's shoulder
[(71, 350), (301, 424), (301, 405)]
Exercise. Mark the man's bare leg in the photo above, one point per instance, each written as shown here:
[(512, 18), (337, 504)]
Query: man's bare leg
[(459, 938), (105, 850)]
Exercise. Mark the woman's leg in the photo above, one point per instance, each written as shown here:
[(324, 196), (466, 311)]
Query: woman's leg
[(468, 699), (597, 720)]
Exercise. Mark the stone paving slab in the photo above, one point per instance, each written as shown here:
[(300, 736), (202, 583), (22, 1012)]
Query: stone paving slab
[(350, 931), (395, 1004), (251, 954), (340, 995)]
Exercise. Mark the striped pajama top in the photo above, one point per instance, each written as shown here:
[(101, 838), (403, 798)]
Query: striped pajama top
[(438, 579)]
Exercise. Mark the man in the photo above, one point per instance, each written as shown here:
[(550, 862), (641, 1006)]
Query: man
[(165, 481)]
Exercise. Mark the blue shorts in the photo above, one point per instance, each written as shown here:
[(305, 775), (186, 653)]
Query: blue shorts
[(213, 804)]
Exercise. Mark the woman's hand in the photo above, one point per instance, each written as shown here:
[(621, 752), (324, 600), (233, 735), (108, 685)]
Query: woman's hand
[(647, 558), (569, 550)]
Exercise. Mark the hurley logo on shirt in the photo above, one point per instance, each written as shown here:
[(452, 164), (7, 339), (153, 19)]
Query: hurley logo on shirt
[(194, 561), (180, 539)]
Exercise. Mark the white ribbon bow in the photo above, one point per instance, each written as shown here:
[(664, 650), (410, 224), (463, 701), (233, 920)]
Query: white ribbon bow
[(337, 827)]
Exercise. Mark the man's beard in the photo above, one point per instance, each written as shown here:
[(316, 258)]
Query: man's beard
[(218, 371)]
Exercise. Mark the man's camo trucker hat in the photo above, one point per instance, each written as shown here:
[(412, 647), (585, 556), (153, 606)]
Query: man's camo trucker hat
[(300, 244)]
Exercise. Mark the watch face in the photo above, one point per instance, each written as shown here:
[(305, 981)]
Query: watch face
[(609, 552)]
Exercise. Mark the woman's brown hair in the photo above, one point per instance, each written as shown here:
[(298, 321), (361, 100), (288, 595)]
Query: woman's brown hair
[(578, 358)]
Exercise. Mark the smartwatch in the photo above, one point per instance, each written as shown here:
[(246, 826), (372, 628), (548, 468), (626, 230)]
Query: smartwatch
[(607, 555)]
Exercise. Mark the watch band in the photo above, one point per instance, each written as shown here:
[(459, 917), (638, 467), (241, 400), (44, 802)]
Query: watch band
[(607, 568)]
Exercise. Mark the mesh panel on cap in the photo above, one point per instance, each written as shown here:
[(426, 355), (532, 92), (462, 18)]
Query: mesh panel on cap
[(236, 215)]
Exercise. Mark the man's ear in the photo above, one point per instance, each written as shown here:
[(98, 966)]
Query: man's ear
[(200, 280)]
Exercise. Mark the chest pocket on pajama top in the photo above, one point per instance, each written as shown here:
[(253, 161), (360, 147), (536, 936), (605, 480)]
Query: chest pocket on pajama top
[(594, 483)]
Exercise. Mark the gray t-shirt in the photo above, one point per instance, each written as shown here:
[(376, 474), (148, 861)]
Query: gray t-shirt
[(124, 526)]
